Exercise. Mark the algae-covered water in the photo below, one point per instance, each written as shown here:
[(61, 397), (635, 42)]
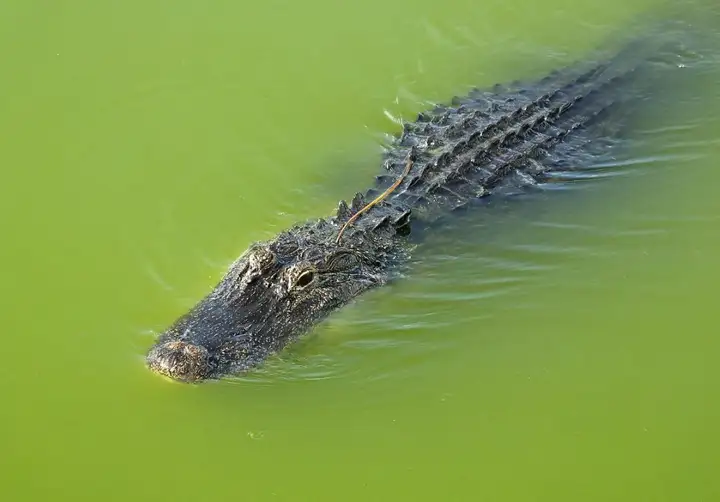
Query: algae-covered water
[(564, 348)]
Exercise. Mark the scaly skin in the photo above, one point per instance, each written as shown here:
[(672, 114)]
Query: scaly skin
[(459, 154)]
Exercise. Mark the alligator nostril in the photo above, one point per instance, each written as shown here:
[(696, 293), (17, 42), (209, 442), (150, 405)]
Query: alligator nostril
[(181, 361)]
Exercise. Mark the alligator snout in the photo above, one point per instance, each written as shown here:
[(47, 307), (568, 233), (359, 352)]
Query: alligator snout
[(180, 361)]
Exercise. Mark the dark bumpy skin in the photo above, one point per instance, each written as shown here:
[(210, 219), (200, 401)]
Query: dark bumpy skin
[(460, 153), (272, 294)]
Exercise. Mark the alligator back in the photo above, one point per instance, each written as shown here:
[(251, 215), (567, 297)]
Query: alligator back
[(509, 136)]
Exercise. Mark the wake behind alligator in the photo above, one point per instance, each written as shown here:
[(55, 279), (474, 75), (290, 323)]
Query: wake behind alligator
[(448, 159)]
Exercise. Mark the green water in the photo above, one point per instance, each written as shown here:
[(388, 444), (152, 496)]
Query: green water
[(567, 353)]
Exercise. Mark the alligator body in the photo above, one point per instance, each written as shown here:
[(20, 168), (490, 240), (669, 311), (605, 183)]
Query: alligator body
[(449, 158)]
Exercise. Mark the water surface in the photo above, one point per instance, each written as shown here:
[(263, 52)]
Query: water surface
[(563, 349)]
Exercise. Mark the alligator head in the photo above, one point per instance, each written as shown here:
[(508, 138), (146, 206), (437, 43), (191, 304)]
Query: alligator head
[(270, 295)]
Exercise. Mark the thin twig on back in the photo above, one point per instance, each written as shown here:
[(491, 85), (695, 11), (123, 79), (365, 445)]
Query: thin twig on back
[(379, 198)]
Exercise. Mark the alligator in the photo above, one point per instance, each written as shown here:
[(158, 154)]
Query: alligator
[(449, 159)]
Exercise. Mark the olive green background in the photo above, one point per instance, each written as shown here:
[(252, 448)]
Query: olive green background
[(566, 353)]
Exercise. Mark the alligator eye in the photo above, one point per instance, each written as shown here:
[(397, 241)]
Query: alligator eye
[(305, 278)]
